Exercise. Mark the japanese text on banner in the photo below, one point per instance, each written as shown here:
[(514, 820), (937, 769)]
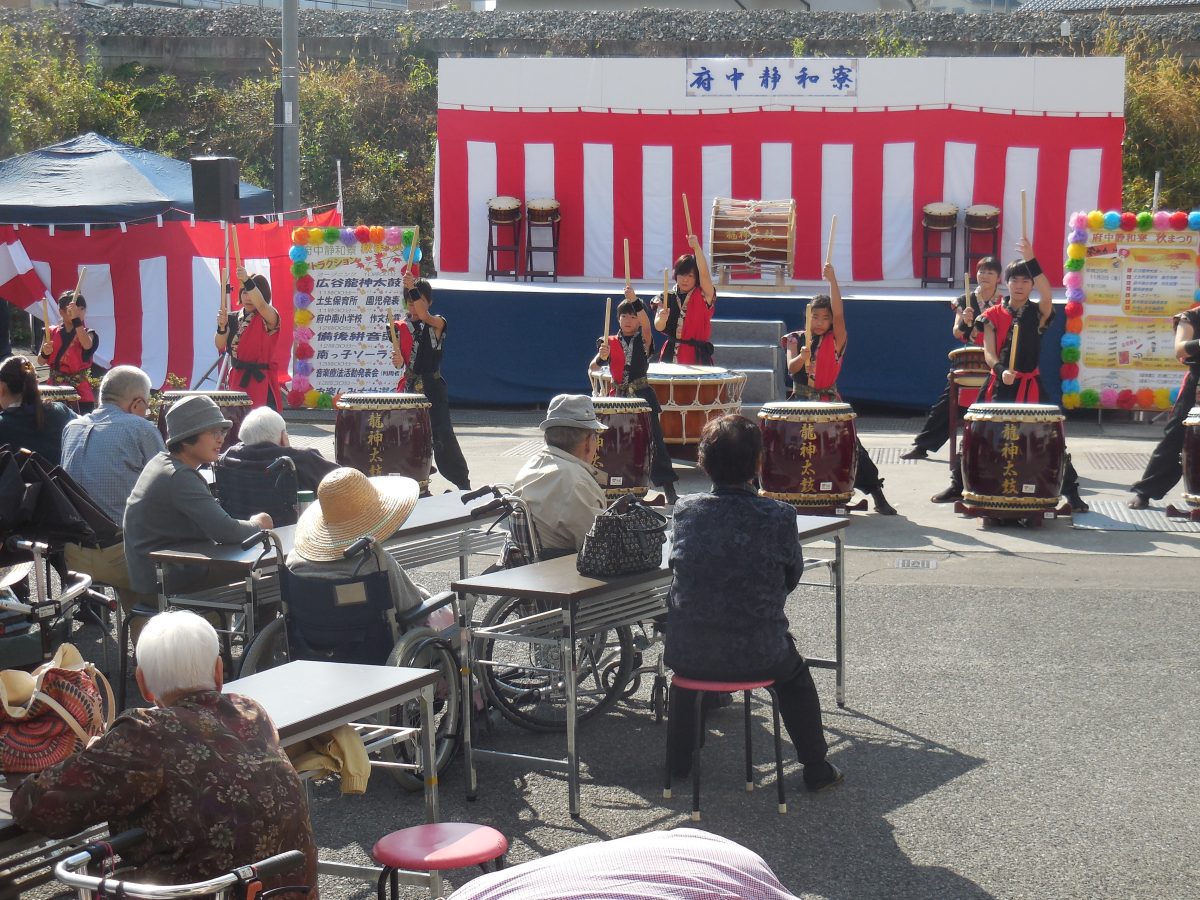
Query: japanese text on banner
[(771, 77)]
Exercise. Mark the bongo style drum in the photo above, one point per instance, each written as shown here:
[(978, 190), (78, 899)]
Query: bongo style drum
[(504, 209), (1191, 459), (1013, 459), (543, 210), (940, 216), (60, 393), (969, 372), (385, 434), (624, 450), (810, 454), (982, 217), (235, 406)]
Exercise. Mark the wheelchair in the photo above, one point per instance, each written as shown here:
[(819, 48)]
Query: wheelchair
[(32, 628), (523, 679), (351, 621), (248, 487)]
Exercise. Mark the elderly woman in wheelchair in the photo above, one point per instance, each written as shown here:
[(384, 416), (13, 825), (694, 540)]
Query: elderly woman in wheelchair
[(345, 599)]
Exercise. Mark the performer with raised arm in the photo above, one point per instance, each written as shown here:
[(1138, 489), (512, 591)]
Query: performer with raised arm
[(685, 313), (401, 335), (250, 336), (68, 348), (1166, 462), (627, 355), (814, 362), (968, 328)]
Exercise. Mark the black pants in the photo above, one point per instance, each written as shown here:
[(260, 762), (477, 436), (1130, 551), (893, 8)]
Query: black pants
[(661, 471), (1166, 462), (866, 477), (937, 425), (446, 452), (799, 707)]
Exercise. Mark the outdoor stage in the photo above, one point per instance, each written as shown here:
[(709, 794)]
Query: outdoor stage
[(521, 343)]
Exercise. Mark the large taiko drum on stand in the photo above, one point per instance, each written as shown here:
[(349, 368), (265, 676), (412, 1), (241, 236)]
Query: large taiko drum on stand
[(1191, 461), (1013, 460), (235, 406), (60, 393), (624, 450), (810, 454), (385, 434)]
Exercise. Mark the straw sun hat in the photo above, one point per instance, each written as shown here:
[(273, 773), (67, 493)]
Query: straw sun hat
[(349, 506)]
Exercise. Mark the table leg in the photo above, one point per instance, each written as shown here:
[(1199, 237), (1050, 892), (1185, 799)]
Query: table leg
[(429, 755), (463, 541), (567, 655), (466, 670), (839, 560)]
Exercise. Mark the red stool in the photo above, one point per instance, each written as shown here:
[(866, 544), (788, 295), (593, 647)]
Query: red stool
[(434, 849), (725, 687)]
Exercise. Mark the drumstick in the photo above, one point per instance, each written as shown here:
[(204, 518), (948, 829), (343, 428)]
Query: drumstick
[(1024, 226), (413, 251), (666, 284), (967, 290), (607, 316), (687, 215), (829, 246), (808, 341), (627, 282), (79, 283), (223, 275), (237, 251), (391, 330), (1012, 350)]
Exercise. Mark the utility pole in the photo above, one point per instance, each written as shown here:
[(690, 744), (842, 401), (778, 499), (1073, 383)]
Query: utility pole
[(288, 123)]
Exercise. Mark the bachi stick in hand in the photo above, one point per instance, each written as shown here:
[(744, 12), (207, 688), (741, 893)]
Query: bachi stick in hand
[(829, 246), (391, 330), (627, 281), (687, 216), (1012, 349), (1024, 219), (607, 316)]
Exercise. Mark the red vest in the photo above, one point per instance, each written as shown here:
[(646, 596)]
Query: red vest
[(253, 345), (823, 371), (404, 337), (697, 326), (72, 369)]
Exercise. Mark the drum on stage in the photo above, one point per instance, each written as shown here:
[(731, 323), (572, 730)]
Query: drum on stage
[(235, 406), (969, 373), (810, 454), (752, 232), (1191, 458), (1013, 459), (940, 216), (504, 209), (385, 434), (624, 450), (60, 393), (689, 397), (982, 217), (543, 210)]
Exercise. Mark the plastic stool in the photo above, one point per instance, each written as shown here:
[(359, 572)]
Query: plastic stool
[(434, 849), (726, 687)]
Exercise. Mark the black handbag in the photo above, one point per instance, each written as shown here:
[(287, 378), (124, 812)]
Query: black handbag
[(625, 538)]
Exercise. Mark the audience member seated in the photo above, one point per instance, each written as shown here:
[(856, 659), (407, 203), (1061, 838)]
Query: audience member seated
[(560, 484), (736, 556), (200, 771), (171, 503), (25, 421), (350, 506), (263, 438), (105, 452), (658, 865)]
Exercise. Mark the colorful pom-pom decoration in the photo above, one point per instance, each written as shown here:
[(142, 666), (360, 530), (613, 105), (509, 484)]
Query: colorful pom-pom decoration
[(332, 235), (316, 235), (1070, 354), (295, 398), (1194, 220), (1068, 371), (300, 383), (1073, 280), (376, 234), (1196, 296), (311, 396), (1162, 398), (1076, 251), (1126, 399), (1079, 221), (1145, 220), (1129, 221), (1145, 398), (408, 236), (1070, 386), (1179, 220), (1073, 265), (1073, 309), (305, 284), (1095, 220), (392, 236), (300, 268), (302, 317), (298, 253), (346, 236), (1071, 401), (302, 300), (1162, 220), (1074, 294), (300, 236), (303, 333), (1090, 398), (1077, 237), (362, 234), (1112, 220), (1174, 395), (325, 401), (415, 254), (304, 351), (1074, 326), (1108, 398), (1070, 340), (302, 368)]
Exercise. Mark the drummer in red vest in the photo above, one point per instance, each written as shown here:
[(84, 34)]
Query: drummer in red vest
[(402, 351), (815, 368), (1021, 383), (68, 349), (968, 328), (627, 355), (685, 314), (250, 338)]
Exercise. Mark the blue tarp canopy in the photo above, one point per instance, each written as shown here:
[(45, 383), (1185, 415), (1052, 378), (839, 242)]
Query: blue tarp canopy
[(94, 179)]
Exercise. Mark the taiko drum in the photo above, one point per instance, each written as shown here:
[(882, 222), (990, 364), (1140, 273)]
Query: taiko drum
[(624, 449), (1191, 458), (810, 454), (60, 393), (1013, 459), (385, 434)]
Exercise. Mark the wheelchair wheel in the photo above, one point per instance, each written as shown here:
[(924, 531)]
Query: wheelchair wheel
[(516, 683), (425, 649), (268, 650)]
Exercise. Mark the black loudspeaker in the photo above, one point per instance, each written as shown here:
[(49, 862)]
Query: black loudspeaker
[(215, 182)]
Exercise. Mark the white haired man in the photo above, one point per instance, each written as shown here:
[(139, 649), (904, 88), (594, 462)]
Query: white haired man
[(200, 771), (263, 438)]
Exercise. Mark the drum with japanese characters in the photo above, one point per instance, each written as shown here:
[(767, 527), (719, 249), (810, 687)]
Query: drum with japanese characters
[(688, 395), (810, 454), (1013, 459), (235, 406), (60, 393), (623, 452), (385, 434), (1191, 458)]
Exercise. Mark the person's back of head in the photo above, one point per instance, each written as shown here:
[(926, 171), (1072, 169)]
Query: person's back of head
[(730, 450), (20, 383), (567, 439), (177, 653), (262, 426), (123, 384)]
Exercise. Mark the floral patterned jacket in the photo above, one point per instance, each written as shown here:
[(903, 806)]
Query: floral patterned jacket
[(205, 778)]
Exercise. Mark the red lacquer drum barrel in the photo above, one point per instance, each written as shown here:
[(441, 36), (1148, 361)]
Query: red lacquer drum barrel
[(1191, 458), (969, 372), (60, 393), (385, 434), (624, 450), (235, 406), (1013, 459), (809, 454)]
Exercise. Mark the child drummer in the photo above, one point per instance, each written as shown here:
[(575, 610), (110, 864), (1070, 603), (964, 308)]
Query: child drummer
[(968, 328), (814, 366), (685, 313), (627, 355)]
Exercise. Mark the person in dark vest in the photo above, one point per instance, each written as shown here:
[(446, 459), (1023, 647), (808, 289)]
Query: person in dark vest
[(68, 349), (815, 366), (250, 336), (1166, 462), (423, 373), (685, 314), (627, 355)]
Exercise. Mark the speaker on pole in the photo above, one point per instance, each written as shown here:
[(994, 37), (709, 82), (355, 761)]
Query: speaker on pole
[(215, 184)]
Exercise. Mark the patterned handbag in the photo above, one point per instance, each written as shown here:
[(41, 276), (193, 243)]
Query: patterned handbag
[(625, 538), (62, 712)]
